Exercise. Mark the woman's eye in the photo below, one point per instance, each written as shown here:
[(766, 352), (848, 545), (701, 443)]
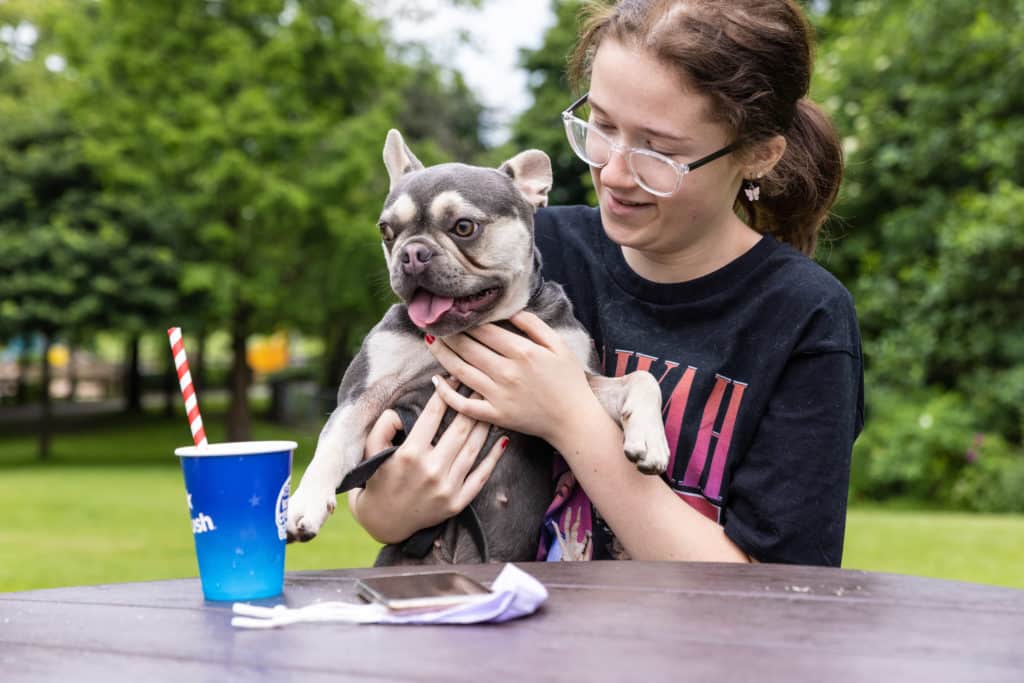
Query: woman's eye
[(464, 227), (386, 232)]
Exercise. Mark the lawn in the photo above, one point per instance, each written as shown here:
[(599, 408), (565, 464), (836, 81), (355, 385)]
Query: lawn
[(110, 507)]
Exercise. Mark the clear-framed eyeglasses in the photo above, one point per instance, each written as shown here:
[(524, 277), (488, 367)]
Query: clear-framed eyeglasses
[(654, 172)]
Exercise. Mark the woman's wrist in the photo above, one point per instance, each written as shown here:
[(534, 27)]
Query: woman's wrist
[(380, 524)]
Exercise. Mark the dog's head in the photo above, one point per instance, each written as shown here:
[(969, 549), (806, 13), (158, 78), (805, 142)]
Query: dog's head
[(458, 239)]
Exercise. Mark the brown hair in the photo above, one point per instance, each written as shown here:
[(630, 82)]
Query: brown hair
[(754, 59)]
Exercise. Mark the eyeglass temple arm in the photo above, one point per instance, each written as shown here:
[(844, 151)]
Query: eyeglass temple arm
[(714, 155), (576, 104)]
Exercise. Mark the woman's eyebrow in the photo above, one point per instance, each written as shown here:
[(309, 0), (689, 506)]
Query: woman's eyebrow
[(651, 132)]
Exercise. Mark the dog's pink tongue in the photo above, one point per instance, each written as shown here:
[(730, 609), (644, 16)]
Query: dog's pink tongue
[(425, 308)]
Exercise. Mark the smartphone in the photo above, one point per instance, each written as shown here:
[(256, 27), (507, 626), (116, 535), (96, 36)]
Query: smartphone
[(420, 591)]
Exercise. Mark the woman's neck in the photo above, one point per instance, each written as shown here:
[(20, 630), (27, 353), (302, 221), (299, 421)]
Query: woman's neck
[(693, 260)]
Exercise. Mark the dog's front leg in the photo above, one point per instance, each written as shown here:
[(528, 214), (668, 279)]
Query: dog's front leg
[(634, 401), (338, 450)]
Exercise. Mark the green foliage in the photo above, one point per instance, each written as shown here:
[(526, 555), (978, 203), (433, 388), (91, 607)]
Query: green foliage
[(230, 151), (929, 98), (930, 445), (74, 259), (540, 126), (916, 446)]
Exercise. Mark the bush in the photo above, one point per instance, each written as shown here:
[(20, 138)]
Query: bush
[(993, 479), (933, 447), (913, 445)]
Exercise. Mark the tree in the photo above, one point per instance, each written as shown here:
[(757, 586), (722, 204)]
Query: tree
[(930, 99), (74, 260), (540, 126), (245, 122)]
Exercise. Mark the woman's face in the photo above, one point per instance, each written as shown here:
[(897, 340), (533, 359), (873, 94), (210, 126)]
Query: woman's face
[(640, 102)]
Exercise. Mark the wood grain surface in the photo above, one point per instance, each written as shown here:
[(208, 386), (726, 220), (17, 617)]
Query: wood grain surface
[(615, 621)]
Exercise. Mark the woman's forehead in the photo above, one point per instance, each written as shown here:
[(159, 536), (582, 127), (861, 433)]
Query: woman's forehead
[(637, 90)]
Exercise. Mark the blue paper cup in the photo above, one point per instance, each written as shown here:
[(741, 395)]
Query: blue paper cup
[(238, 503)]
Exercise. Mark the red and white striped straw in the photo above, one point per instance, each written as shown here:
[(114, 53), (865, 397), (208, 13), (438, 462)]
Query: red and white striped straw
[(188, 392)]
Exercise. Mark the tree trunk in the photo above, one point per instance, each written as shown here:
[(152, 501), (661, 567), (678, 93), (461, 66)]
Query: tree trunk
[(21, 394), (72, 374), (336, 355), (171, 389), (133, 378), (199, 366), (46, 416), (238, 407)]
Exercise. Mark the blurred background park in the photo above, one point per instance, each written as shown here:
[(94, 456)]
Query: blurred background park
[(216, 164)]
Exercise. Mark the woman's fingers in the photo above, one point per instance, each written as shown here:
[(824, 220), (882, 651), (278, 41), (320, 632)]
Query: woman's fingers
[(475, 408), (464, 371), (382, 434), (478, 477), (463, 462), (427, 423), (498, 340), (455, 435), (536, 329)]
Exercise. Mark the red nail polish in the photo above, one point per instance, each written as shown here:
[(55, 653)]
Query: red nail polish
[(504, 443), (429, 338)]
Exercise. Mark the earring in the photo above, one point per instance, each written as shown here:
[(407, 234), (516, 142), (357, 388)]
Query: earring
[(752, 189)]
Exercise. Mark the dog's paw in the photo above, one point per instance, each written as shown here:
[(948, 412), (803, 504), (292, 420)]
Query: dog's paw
[(643, 431), (308, 509), (648, 449)]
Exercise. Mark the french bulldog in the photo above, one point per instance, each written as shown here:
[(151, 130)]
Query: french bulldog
[(458, 243)]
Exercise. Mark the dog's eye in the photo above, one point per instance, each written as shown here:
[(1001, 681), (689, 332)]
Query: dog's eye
[(386, 232), (464, 228)]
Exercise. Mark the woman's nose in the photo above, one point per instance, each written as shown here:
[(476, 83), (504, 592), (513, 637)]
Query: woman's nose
[(616, 172)]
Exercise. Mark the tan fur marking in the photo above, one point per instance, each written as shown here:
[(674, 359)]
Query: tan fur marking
[(402, 211), (449, 201)]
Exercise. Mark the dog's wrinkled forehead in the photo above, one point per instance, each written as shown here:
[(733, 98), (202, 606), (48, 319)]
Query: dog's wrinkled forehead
[(447, 192)]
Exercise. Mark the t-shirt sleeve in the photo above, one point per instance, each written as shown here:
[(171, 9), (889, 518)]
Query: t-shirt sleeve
[(787, 496)]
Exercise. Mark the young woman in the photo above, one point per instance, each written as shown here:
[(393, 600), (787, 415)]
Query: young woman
[(714, 174)]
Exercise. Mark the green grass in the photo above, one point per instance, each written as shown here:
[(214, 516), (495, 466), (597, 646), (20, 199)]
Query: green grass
[(110, 507), (948, 545)]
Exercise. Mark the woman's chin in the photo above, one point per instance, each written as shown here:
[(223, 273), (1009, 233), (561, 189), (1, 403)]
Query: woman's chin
[(623, 233)]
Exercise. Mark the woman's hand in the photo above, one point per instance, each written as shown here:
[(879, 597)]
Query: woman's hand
[(422, 485), (525, 384)]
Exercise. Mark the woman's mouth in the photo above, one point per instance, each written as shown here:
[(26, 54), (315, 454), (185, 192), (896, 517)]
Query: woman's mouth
[(624, 207)]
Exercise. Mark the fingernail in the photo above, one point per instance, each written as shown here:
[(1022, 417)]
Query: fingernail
[(435, 380), (429, 338), (504, 442)]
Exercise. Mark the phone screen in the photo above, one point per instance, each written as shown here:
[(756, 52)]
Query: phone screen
[(413, 591)]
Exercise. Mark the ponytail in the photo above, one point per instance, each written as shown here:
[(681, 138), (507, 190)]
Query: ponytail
[(798, 193)]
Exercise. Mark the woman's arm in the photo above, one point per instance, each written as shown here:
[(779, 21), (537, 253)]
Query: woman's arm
[(537, 386)]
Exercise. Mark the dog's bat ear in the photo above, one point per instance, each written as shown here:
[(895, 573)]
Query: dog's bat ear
[(398, 158), (531, 173)]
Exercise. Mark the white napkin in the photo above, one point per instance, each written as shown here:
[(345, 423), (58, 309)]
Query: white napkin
[(513, 594)]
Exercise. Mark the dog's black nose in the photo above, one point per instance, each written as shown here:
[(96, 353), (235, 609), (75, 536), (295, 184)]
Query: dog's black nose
[(415, 258)]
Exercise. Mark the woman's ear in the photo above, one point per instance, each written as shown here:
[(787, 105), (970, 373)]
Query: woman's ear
[(763, 156)]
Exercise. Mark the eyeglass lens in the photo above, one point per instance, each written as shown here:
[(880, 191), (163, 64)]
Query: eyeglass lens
[(653, 173)]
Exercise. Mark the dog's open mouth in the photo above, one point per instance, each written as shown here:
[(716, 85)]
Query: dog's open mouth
[(426, 308)]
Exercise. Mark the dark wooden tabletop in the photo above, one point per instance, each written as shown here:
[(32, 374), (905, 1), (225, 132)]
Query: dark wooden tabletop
[(623, 621)]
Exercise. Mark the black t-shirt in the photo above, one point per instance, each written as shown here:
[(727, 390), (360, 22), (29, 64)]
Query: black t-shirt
[(761, 374)]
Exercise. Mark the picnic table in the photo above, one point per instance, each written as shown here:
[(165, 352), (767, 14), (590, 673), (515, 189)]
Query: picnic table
[(603, 621)]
